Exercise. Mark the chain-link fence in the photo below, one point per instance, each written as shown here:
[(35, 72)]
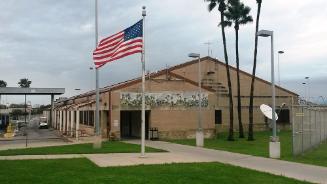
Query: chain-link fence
[(309, 127)]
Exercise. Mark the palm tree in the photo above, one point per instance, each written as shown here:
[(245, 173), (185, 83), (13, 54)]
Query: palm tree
[(3, 84), (238, 14), (222, 8), (24, 83), (250, 135)]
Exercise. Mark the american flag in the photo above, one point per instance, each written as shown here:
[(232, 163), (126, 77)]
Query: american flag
[(119, 45)]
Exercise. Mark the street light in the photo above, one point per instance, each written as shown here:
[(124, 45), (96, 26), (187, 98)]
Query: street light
[(305, 92), (308, 88), (30, 110), (91, 77), (274, 144), (279, 53), (199, 133)]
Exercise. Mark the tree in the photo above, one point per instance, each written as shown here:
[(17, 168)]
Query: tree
[(24, 83), (221, 4), (3, 84), (250, 135), (238, 14), (16, 113)]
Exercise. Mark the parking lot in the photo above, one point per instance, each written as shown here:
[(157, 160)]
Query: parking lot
[(31, 136)]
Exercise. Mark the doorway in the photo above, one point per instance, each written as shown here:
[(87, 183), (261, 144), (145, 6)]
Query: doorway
[(130, 124)]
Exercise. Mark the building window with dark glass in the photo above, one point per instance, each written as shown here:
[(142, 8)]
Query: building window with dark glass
[(218, 117)]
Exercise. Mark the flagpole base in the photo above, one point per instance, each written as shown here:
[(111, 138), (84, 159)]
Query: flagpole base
[(97, 144), (142, 156)]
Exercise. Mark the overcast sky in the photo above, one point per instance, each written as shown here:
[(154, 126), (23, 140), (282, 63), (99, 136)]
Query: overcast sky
[(51, 42)]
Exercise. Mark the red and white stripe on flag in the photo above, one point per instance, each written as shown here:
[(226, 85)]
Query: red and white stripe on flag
[(119, 45)]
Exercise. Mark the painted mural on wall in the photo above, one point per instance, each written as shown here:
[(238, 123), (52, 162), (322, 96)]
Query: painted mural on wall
[(164, 99)]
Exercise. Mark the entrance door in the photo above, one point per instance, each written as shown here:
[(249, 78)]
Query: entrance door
[(130, 124)]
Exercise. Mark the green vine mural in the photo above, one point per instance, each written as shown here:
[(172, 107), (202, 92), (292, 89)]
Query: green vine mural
[(164, 99)]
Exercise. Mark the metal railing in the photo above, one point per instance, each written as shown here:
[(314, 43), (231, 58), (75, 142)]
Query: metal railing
[(309, 127)]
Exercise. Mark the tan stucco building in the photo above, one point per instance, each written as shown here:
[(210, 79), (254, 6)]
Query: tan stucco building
[(171, 103)]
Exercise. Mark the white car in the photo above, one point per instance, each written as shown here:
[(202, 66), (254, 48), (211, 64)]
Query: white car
[(43, 125)]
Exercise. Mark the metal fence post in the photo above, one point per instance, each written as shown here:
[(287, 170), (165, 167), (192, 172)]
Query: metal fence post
[(324, 123), (310, 130), (320, 122), (293, 128), (302, 132), (315, 132)]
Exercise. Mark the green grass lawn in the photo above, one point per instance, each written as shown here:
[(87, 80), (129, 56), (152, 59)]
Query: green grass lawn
[(107, 147), (84, 171), (260, 147)]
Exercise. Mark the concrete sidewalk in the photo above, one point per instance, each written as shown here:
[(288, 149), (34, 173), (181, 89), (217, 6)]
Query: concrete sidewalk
[(189, 154), (182, 153)]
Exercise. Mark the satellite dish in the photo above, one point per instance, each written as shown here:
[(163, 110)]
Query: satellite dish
[(267, 111)]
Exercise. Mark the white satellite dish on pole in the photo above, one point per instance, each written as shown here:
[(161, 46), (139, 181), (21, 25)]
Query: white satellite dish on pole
[(267, 111)]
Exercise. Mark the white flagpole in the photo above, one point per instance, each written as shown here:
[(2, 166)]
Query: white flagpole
[(97, 140), (143, 88)]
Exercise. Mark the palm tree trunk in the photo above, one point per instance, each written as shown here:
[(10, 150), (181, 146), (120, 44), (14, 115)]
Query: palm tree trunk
[(239, 104), (250, 135), (231, 111)]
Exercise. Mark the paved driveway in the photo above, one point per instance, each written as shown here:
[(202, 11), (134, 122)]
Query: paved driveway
[(35, 137)]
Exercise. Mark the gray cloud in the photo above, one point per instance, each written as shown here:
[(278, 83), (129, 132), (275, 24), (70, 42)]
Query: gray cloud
[(51, 42)]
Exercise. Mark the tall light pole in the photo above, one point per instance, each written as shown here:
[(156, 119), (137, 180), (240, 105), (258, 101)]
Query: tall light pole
[(91, 76), (308, 88), (30, 110), (274, 144), (305, 92), (77, 90), (279, 53), (199, 133)]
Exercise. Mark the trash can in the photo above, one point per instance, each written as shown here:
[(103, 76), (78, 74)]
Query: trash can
[(153, 133)]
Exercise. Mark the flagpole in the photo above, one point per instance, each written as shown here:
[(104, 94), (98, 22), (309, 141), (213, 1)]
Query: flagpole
[(143, 88), (97, 140)]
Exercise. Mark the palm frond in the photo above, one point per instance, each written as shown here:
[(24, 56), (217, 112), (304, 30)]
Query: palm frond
[(212, 5), (246, 10), (238, 13), (246, 20), (225, 23), (222, 5)]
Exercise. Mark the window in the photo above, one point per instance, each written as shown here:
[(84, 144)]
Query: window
[(85, 117), (218, 118), (91, 118), (81, 117)]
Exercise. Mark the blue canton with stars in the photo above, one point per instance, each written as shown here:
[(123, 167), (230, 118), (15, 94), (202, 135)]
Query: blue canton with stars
[(134, 31)]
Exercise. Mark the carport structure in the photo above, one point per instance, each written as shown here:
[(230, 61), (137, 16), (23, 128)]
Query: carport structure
[(34, 91)]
